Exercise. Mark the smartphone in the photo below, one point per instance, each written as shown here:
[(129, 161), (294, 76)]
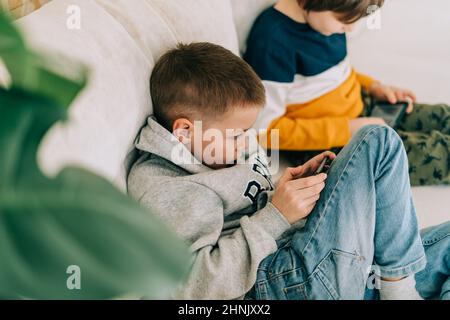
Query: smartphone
[(392, 114), (324, 166)]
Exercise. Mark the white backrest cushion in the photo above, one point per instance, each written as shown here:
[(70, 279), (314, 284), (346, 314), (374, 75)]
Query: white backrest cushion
[(245, 13), (106, 117), (158, 25), (143, 25), (412, 48), (199, 20), (119, 40)]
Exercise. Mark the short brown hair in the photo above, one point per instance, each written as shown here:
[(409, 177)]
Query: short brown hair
[(202, 79), (349, 11)]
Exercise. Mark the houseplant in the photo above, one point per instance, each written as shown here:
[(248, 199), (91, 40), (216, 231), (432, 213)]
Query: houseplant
[(74, 236)]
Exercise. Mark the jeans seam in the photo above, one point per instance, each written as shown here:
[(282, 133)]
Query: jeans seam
[(319, 273), (278, 275), (275, 255), (435, 240), (327, 285), (299, 287), (370, 132), (407, 270)]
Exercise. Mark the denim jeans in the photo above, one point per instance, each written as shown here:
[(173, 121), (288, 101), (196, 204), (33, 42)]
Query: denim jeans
[(434, 281), (364, 222)]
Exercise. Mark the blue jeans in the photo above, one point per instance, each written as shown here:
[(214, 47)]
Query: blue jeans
[(364, 222), (434, 281)]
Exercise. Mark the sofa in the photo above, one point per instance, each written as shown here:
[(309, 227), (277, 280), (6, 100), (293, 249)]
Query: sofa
[(120, 40)]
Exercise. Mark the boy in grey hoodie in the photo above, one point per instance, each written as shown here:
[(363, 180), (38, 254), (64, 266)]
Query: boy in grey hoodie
[(200, 171)]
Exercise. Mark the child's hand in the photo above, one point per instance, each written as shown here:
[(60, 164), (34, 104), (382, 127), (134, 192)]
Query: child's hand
[(311, 166), (393, 95), (296, 198), (358, 123)]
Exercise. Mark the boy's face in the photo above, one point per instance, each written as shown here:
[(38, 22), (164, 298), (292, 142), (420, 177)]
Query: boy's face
[(327, 23), (217, 142)]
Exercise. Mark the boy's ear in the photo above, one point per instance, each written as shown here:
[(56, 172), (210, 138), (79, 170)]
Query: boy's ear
[(182, 130)]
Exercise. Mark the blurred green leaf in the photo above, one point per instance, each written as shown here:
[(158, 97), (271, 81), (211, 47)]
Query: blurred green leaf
[(38, 74), (77, 218)]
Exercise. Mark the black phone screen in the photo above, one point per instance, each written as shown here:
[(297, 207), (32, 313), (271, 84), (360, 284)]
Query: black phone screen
[(390, 113)]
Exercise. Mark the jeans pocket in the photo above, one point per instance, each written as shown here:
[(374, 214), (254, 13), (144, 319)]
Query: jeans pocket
[(296, 292), (340, 275), (258, 292)]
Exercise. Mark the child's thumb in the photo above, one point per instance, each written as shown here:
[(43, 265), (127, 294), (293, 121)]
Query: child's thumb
[(292, 173)]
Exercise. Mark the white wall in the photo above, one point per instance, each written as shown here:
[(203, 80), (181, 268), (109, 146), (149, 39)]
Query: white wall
[(412, 48)]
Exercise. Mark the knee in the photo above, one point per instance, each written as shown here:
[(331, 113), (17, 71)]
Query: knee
[(380, 135), (383, 143)]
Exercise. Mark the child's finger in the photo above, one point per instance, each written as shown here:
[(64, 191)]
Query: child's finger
[(411, 95), (285, 177), (329, 154), (410, 104), (410, 109), (290, 173), (317, 160), (390, 95), (400, 96), (310, 192), (308, 182)]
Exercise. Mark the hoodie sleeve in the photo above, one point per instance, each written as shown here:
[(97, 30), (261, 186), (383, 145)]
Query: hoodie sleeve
[(225, 266), (300, 134), (365, 81)]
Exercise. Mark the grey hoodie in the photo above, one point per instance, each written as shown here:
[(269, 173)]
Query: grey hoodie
[(224, 215)]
